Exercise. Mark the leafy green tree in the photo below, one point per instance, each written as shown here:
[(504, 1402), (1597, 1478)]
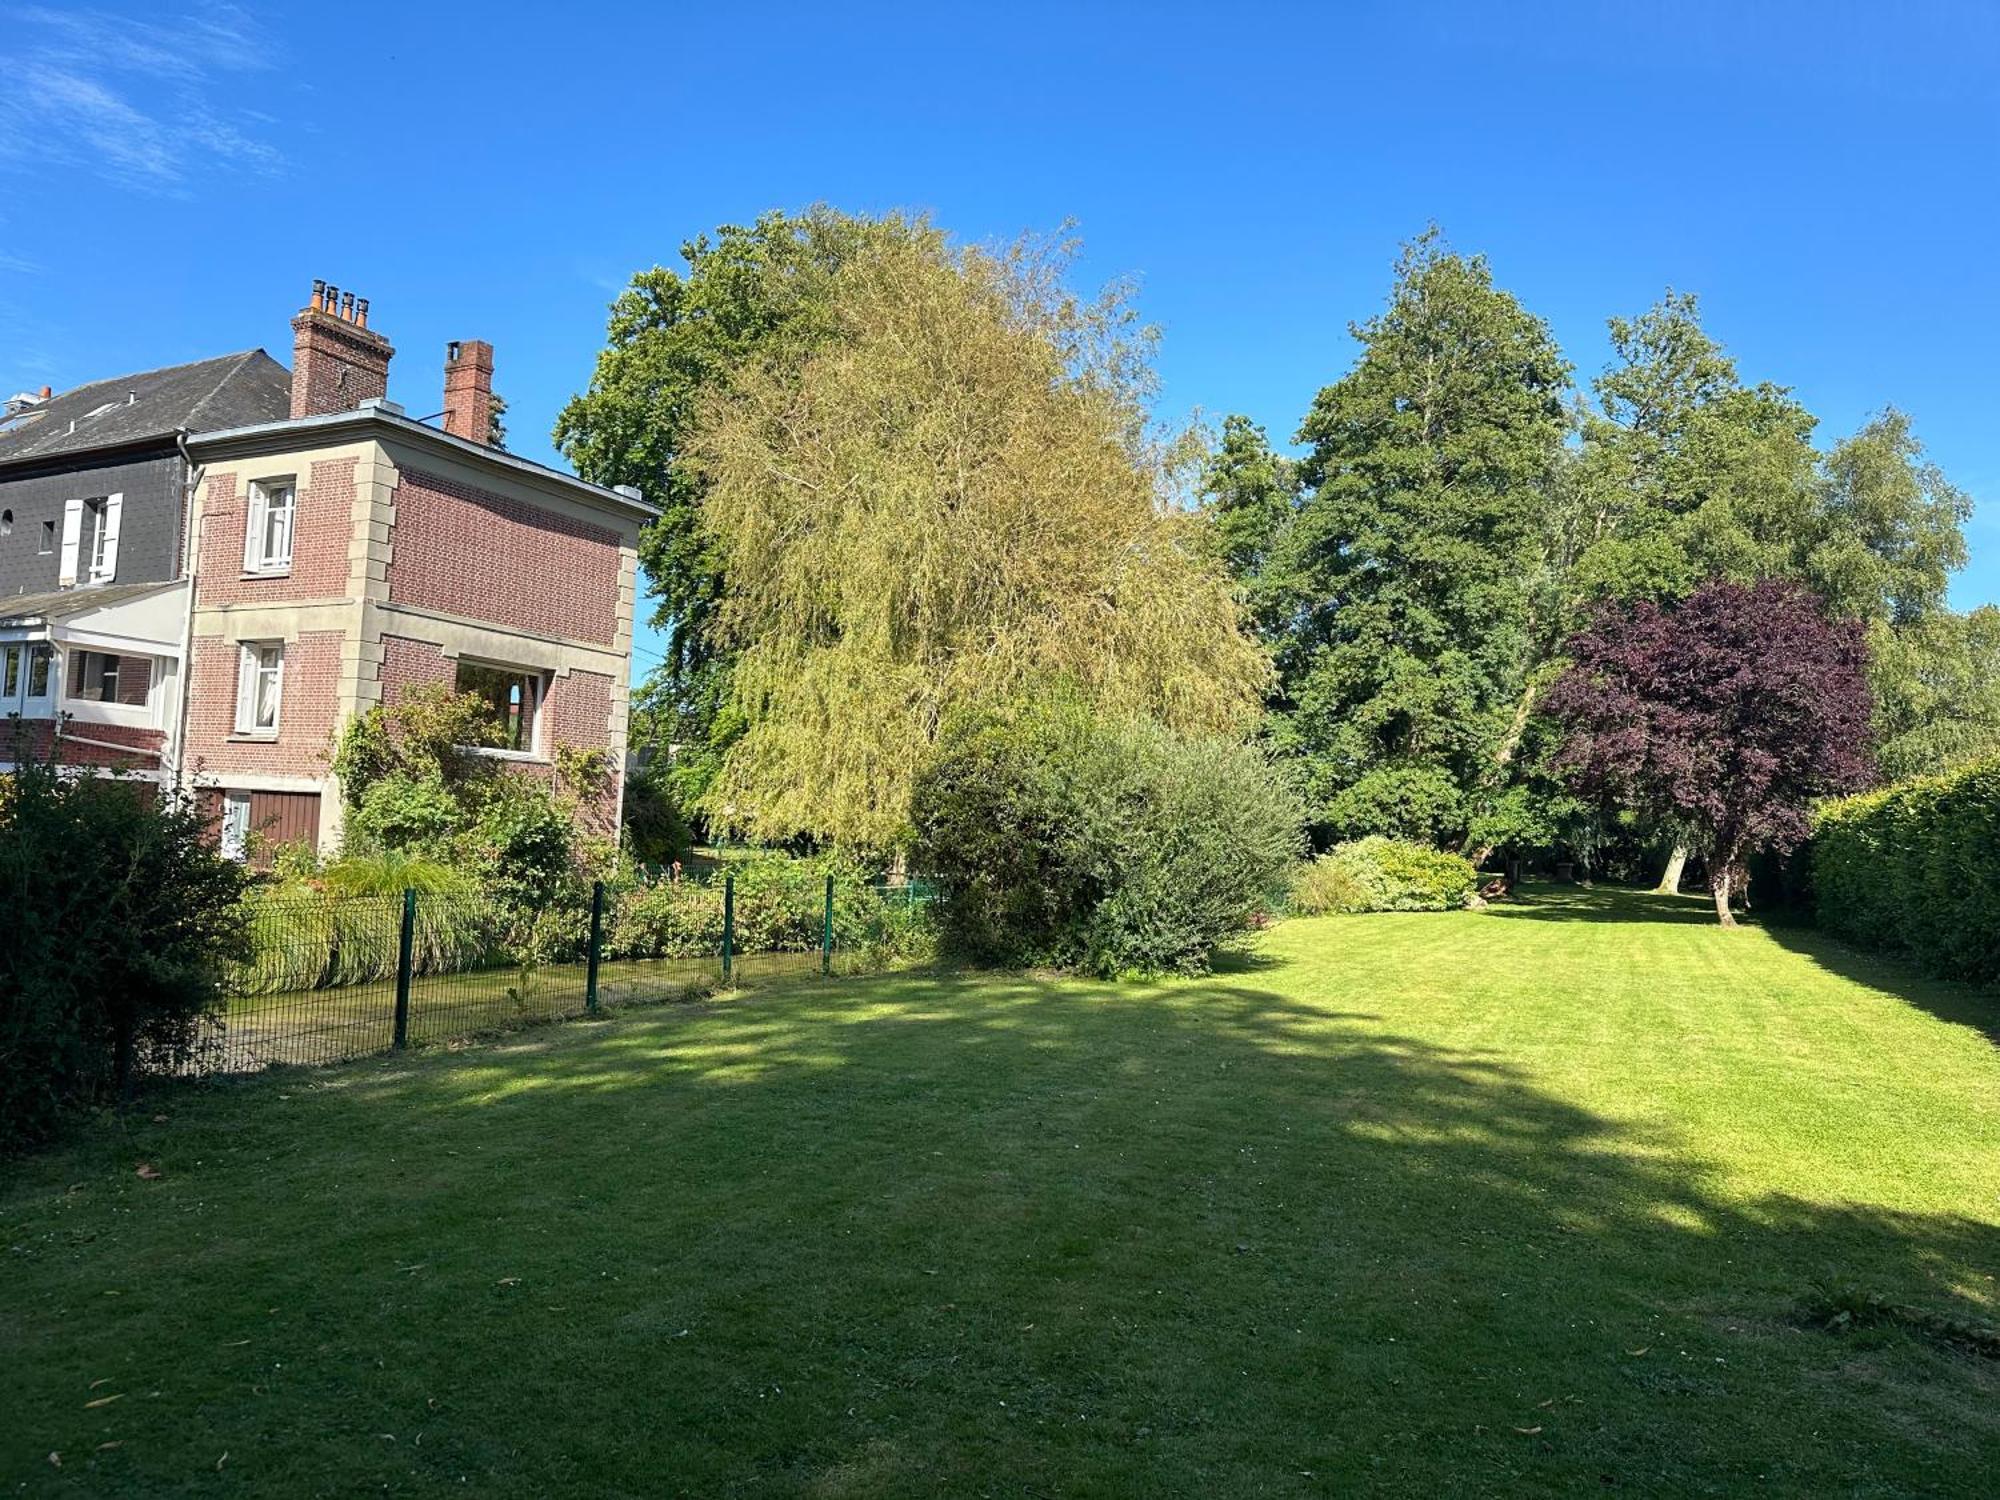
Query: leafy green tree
[(1410, 565), (1891, 527), (748, 296), (1251, 494), (1937, 691), (1891, 535), (952, 502), (1686, 473)]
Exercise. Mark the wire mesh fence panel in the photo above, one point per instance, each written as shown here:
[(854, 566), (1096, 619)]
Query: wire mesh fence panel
[(330, 978)]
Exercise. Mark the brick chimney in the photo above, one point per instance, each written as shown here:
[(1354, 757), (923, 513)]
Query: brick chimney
[(337, 360), (468, 389)]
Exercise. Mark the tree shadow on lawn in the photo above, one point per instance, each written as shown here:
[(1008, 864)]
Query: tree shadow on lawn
[(1960, 1004), (1602, 903), (1191, 1238)]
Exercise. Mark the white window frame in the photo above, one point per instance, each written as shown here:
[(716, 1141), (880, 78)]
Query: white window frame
[(40, 651), (538, 685), (251, 666), (259, 558), (233, 831), (104, 545)]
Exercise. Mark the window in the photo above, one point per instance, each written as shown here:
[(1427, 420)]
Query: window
[(260, 682), (94, 678), (267, 528), (515, 698), (48, 538), (23, 666), (89, 540), (235, 835), (6, 523)]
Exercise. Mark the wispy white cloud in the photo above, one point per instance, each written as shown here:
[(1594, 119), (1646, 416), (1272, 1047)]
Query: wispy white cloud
[(145, 103)]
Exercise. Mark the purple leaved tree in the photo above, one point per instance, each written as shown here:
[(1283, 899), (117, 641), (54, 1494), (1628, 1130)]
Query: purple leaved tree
[(1730, 712)]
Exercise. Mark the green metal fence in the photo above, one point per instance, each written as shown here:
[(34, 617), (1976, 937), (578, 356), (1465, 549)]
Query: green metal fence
[(333, 978)]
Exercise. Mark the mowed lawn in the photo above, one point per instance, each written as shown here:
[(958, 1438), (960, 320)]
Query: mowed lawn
[(1525, 1201)]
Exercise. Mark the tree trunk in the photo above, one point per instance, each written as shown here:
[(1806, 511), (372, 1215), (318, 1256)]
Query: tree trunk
[(1670, 879), (1723, 869)]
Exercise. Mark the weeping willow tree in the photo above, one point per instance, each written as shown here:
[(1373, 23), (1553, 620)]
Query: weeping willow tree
[(953, 501)]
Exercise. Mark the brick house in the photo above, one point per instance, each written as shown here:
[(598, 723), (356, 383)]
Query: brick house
[(339, 552)]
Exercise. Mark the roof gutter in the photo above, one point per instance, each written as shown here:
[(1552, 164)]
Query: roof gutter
[(385, 418), (170, 758)]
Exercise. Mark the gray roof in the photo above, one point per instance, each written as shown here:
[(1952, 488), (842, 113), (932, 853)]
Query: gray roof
[(235, 390), (66, 602)]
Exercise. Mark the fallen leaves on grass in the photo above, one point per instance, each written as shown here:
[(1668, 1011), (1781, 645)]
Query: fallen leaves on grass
[(103, 1401), (150, 1172)]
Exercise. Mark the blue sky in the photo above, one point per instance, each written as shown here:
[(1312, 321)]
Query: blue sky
[(1823, 175)]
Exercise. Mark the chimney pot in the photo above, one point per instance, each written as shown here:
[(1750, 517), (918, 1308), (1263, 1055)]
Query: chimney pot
[(47, 392), (336, 368)]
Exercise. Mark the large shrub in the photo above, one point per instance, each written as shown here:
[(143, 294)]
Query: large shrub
[(1108, 845), (121, 918), (1915, 868), (1384, 874)]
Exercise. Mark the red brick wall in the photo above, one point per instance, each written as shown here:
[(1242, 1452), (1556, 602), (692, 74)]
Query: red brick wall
[(306, 712), (578, 714), (39, 731), (467, 552), (322, 527), (406, 662), (135, 680)]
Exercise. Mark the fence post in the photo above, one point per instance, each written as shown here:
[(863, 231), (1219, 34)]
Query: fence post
[(405, 951), (728, 926), (596, 946), (826, 933)]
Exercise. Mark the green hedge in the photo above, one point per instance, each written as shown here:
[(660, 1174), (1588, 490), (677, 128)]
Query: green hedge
[(1915, 869)]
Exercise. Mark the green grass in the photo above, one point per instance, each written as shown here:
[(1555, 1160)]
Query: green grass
[(1526, 1201)]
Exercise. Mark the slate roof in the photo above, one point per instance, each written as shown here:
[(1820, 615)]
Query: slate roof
[(235, 390)]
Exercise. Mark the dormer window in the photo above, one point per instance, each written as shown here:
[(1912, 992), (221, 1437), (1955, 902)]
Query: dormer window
[(267, 531)]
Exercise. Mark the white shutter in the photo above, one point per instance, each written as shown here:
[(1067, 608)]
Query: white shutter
[(246, 689), (253, 530), (72, 532), (108, 569), (277, 691)]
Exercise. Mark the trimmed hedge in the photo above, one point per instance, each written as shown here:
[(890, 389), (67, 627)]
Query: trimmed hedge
[(1384, 874), (1915, 869)]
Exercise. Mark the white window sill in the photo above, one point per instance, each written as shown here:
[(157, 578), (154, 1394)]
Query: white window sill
[(254, 737), (525, 757), (249, 573)]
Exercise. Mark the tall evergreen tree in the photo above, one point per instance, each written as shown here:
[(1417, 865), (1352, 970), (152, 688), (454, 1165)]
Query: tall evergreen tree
[(1409, 564), (1251, 494)]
